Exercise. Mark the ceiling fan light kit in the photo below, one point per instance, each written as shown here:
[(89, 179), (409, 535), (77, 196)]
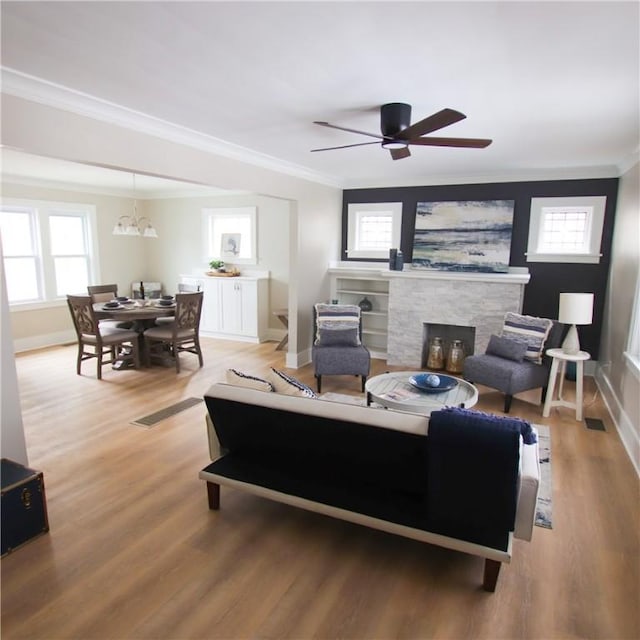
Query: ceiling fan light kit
[(398, 132)]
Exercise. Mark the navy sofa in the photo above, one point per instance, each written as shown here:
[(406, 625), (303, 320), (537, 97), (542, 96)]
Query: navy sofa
[(458, 482)]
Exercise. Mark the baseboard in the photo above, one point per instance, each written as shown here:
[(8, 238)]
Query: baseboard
[(228, 336), (297, 360), (45, 340), (621, 421)]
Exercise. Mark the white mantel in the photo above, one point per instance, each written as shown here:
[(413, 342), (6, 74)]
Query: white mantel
[(515, 275)]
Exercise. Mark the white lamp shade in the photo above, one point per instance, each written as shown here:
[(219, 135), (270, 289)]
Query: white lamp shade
[(576, 308)]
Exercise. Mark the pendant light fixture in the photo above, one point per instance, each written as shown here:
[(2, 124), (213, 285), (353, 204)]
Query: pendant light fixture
[(132, 225)]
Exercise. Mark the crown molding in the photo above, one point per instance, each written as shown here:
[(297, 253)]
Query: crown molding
[(116, 192), (533, 175), (631, 161), (35, 89)]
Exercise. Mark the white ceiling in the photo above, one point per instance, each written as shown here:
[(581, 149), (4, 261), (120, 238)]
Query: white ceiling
[(554, 84)]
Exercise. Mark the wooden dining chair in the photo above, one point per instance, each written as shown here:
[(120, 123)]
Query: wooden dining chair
[(102, 292), (183, 333), (96, 341), (105, 293)]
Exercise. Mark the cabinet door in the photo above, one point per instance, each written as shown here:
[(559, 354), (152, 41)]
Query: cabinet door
[(211, 308), (249, 308), (231, 306), (238, 301)]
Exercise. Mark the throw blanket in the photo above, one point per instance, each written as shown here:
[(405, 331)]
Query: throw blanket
[(472, 475)]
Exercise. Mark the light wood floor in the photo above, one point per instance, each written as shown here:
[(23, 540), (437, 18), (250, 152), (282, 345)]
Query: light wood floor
[(133, 551)]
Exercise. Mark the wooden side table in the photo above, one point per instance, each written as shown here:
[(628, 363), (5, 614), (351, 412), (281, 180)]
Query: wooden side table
[(283, 316), (560, 359)]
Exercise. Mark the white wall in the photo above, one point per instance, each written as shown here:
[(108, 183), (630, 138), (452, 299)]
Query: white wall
[(12, 442), (619, 384), (179, 248)]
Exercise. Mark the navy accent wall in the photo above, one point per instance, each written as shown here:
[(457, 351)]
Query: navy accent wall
[(548, 279)]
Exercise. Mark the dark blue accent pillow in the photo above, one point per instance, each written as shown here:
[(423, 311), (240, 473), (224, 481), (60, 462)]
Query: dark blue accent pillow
[(469, 415), (506, 348), (338, 338)]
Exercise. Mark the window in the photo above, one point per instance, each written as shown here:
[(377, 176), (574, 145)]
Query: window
[(373, 229), (49, 250), (230, 234), (632, 354), (566, 229)]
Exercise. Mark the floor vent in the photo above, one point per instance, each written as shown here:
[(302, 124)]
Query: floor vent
[(595, 423), (153, 418)]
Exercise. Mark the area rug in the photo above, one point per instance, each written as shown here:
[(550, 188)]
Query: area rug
[(544, 505), (153, 418)]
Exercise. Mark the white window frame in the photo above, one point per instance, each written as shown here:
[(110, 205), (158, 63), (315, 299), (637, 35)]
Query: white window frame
[(594, 205), (632, 354), (355, 213), (41, 210), (210, 216)]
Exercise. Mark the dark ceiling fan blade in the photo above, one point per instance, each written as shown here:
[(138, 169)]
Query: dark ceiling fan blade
[(346, 146), (473, 143), (363, 133), (398, 154), (434, 122)]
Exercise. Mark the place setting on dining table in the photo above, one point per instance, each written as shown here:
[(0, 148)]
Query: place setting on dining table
[(138, 309)]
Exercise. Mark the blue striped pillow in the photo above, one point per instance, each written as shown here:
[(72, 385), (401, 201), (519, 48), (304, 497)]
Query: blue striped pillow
[(529, 330), (339, 318)]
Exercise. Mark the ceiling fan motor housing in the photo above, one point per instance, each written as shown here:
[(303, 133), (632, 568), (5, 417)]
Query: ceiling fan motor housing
[(394, 117)]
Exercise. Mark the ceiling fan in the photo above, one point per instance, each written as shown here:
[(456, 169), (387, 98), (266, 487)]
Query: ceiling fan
[(398, 132)]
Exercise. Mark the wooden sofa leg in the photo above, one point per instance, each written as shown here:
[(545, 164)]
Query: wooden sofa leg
[(319, 382), (507, 403), (213, 494), (491, 571)]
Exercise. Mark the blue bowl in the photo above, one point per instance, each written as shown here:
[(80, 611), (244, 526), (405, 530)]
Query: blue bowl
[(425, 382)]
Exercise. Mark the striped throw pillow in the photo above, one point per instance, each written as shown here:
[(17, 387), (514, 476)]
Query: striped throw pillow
[(338, 318), (529, 330), (239, 379), (290, 386)]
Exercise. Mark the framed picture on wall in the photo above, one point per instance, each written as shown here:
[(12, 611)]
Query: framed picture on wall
[(230, 234), (468, 235), (230, 245)]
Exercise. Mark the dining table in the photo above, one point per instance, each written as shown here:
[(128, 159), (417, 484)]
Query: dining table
[(143, 314)]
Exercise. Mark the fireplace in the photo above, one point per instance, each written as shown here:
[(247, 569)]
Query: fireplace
[(473, 304), (448, 333)]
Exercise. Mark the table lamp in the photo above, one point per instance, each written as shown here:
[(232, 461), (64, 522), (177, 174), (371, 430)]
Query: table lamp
[(575, 308)]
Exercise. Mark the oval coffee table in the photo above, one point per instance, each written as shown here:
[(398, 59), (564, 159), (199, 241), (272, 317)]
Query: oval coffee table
[(394, 391)]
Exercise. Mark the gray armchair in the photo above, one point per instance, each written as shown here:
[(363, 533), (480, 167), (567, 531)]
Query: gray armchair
[(339, 352), (510, 375)]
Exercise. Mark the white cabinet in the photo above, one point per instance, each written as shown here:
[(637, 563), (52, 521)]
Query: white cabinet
[(239, 305), (233, 308), (351, 286)]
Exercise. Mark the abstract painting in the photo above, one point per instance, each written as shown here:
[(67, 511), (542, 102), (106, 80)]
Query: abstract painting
[(470, 235)]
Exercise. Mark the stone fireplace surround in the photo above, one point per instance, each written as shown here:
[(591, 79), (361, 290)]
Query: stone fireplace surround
[(419, 297)]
